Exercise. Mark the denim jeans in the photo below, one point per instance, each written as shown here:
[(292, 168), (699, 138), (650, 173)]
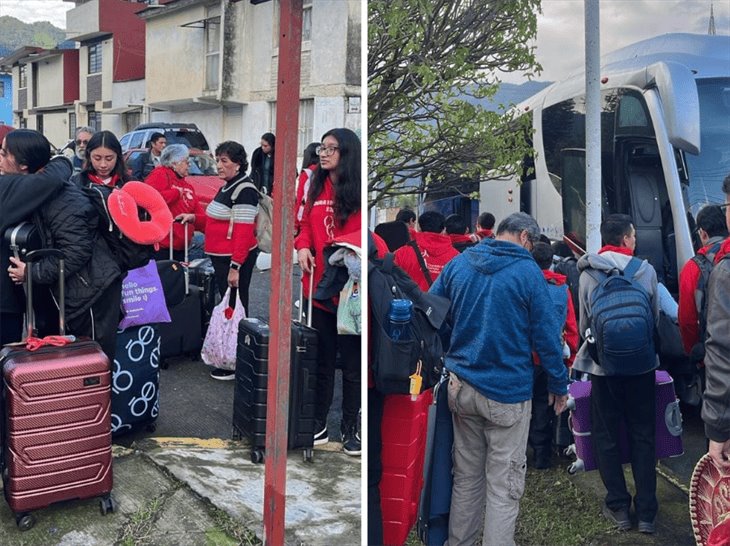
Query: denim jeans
[(490, 439)]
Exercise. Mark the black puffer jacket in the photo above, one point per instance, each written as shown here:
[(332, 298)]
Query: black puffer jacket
[(69, 223), (20, 197)]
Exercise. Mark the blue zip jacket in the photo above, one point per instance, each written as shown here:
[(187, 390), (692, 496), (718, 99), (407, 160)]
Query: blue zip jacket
[(501, 311)]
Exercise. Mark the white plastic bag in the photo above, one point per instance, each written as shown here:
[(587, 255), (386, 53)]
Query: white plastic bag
[(219, 347)]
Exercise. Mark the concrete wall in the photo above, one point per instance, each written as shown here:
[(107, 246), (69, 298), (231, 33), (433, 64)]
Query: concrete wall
[(55, 128), (175, 63), (50, 81)]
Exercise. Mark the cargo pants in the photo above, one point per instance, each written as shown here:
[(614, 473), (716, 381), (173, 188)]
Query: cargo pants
[(490, 441)]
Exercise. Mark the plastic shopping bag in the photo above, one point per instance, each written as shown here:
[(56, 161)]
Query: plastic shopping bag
[(349, 309), (219, 347), (143, 301)]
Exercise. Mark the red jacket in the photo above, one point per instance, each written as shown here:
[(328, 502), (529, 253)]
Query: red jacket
[(570, 328), (318, 229), (302, 190), (181, 199), (484, 234), (436, 250), (687, 315)]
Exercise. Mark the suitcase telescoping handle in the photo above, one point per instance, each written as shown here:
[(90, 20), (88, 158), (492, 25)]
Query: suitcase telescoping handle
[(185, 264), (34, 256), (309, 300)]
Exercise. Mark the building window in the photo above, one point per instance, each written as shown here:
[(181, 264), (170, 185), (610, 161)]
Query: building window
[(95, 58), (212, 48), (272, 117), (39, 123), (72, 125), (306, 122), (95, 120), (307, 21), (131, 120), (2, 89), (23, 77)]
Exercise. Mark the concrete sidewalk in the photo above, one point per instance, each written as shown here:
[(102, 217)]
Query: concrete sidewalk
[(173, 491)]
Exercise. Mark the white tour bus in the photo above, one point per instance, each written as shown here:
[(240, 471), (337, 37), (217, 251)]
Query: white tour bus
[(665, 147)]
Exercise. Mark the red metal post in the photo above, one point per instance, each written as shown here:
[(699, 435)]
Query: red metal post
[(280, 305)]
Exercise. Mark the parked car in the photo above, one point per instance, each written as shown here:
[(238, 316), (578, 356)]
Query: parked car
[(203, 174), (175, 133)]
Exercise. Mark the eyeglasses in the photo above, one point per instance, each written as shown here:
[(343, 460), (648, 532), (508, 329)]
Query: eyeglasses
[(326, 150), (80, 142)]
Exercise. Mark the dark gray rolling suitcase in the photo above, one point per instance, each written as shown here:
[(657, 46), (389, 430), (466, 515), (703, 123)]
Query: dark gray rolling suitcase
[(435, 505), (136, 379), (56, 426), (249, 395)]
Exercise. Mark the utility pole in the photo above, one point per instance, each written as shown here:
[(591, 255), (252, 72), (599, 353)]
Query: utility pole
[(280, 304), (593, 125)]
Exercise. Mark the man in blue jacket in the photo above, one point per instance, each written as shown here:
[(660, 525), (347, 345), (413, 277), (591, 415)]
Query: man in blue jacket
[(500, 310)]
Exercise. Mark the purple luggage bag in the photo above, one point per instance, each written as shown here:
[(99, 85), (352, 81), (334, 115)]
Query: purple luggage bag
[(668, 424)]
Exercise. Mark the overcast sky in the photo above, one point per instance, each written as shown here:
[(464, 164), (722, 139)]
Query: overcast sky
[(560, 28), (30, 11), (560, 38)]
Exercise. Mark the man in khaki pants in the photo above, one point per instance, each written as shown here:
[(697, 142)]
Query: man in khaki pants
[(501, 311)]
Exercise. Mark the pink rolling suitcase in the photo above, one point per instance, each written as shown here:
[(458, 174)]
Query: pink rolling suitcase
[(56, 439), (668, 424)]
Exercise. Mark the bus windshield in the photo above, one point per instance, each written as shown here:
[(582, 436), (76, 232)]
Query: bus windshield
[(708, 169)]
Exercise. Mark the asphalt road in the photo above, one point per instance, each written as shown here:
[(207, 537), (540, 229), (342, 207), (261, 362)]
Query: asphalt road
[(193, 405)]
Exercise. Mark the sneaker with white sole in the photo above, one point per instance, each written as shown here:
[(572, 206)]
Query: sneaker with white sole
[(351, 441), (320, 437), (223, 375)]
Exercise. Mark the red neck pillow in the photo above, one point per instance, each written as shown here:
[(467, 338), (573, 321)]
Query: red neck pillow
[(123, 205)]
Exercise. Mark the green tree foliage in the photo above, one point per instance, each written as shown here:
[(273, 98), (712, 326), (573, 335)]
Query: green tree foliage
[(15, 34), (430, 62)]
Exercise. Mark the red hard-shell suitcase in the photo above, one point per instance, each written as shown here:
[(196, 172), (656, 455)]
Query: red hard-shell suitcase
[(668, 424), (404, 429), (250, 391), (57, 424)]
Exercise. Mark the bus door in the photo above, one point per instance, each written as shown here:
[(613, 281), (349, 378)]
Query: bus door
[(640, 191)]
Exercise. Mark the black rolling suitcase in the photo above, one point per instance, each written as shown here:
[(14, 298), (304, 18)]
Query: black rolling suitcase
[(202, 275), (249, 395), (136, 379), (183, 335)]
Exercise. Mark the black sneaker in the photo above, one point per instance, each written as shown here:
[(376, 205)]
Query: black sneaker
[(647, 527), (351, 441), (320, 435), (223, 375), (620, 518)]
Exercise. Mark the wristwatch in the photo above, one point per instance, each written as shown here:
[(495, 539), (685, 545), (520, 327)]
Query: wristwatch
[(235, 267)]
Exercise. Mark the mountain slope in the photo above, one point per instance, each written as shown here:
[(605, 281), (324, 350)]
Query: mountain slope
[(15, 34)]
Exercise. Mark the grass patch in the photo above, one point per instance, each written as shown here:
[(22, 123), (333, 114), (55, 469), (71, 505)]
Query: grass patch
[(553, 511), (137, 530), (231, 529)]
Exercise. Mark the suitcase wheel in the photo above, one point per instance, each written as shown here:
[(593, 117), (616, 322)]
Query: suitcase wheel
[(24, 521), (308, 455), (107, 505), (164, 364), (152, 427), (235, 434), (257, 456)]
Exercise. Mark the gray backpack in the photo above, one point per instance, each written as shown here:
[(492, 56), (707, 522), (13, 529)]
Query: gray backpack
[(264, 216)]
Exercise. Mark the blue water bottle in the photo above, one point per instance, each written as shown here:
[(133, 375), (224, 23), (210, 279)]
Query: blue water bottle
[(399, 317)]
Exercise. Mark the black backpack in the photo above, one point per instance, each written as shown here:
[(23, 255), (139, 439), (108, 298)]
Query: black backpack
[(394, 362), (705, 262), (622, 328), (568, 266), (127, 253)]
